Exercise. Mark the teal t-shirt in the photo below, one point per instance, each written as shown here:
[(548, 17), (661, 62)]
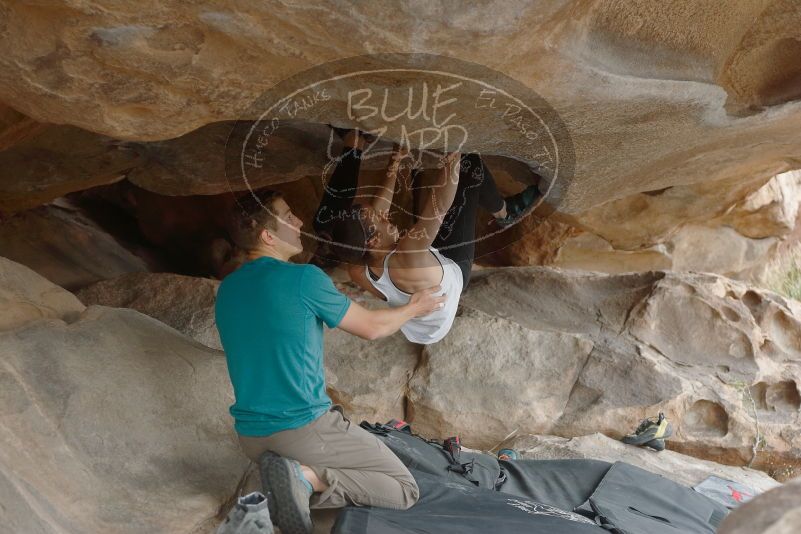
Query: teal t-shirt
[(270, 315)]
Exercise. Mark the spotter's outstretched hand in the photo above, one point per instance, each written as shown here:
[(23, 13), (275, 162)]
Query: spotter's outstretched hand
[(424, 302)]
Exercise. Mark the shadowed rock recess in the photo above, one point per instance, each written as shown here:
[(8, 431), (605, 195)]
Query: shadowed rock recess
[(637, 288)]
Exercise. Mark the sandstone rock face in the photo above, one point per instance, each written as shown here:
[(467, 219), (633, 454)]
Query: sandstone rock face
[(49, 161), (670, 152), (186, 303), (296, 151), (707, 351), (544, 351), (478, 382), (776, 512), (151, 392), (247, 47), (107, 418), (678, 467), (62, 244), (26, 297), (697, 103), (370, 379), (727, 227)]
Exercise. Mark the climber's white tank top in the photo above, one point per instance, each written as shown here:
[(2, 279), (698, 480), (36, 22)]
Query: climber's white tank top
[(434, 326)]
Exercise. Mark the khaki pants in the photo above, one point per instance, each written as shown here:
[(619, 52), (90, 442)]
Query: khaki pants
[(357, 466)]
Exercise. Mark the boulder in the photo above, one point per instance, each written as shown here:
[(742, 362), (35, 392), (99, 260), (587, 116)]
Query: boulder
[(243, 50), (369, 378), (545, 351), (108, 417), (195, 163), (185, 303), (26, 297), (489, 377), (776, 512), (151, 93), (51, 161), (652, 97), (62, 243), (565, 352), (717, 356), (729, 227)]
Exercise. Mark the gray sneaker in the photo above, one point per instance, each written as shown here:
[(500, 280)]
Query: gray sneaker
[(249, 515), (287, 493)]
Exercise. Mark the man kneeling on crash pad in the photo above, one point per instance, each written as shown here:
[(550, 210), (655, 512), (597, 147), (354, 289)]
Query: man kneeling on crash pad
[(270, 315)]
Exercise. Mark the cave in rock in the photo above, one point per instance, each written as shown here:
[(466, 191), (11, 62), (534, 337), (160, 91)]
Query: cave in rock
[(611, 192)]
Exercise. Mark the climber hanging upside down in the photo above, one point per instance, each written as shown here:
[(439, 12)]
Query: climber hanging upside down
[(437, 250)]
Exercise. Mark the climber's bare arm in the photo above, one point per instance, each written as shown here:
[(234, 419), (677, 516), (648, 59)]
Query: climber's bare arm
[(437, 199), (382, 201)]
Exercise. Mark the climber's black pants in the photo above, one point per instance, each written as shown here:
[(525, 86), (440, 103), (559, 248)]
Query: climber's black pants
[(457, 234), (338, 193)]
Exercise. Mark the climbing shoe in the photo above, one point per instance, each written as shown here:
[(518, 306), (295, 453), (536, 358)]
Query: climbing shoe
[(651, 429), (508, 454), (656, 444), (287, 493), (518, 205), (250, 515)]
